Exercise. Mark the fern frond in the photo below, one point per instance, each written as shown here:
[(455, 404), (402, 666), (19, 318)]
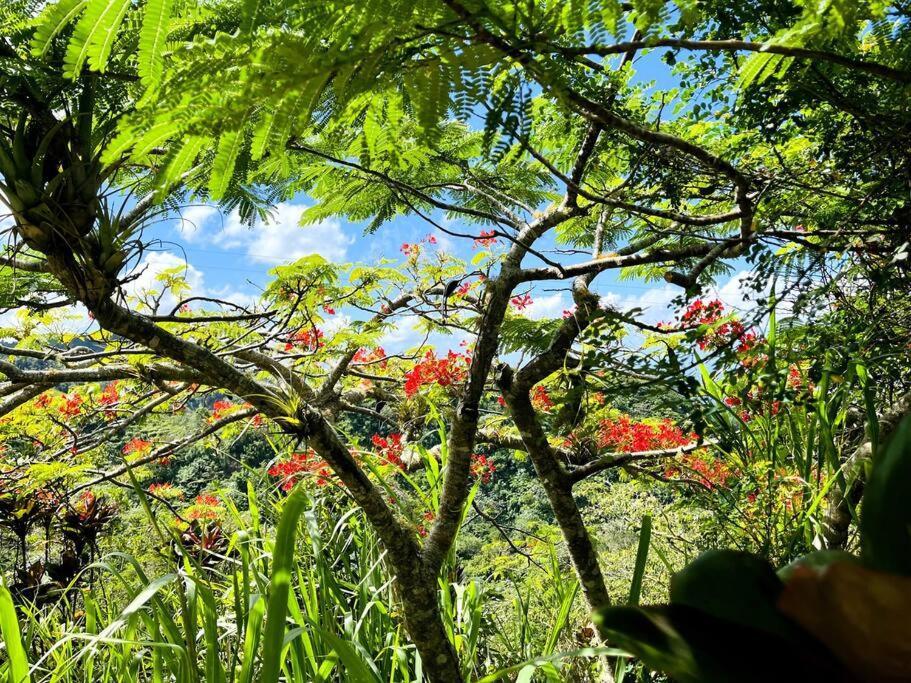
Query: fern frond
[(52, 21), (152, 39), (229, 148), (94, 35)]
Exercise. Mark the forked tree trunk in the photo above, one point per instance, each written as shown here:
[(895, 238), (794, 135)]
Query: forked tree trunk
[(424, 622)]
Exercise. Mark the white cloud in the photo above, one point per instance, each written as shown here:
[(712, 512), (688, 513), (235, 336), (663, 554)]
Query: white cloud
[(546, 307), (733, 294), (193, 221), (153, 265), (404, 334), (655, 302), (279, 239)]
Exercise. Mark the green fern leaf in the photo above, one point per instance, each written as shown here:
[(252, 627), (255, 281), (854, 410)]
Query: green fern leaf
[(152, 38), (229, 147), (94, 35), (52, 21), (757, 68), (179, 163)]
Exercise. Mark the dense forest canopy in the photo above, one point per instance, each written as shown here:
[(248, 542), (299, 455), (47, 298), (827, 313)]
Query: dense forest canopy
[(462, 455)]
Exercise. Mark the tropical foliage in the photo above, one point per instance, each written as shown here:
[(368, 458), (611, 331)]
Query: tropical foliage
[(197, 488)]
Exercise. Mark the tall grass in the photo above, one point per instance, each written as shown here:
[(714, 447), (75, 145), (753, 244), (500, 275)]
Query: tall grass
[(302, 593)]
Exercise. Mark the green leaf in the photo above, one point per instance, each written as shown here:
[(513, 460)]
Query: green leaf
[(229, 147), (52, 21), (885, 525), (734, 586), (356, 669), (251, 640), (645, 537), (12, 639), (152, 38), (94, 35), (179, 163), (280, 586)]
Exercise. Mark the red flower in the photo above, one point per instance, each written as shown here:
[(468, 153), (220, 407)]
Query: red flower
[(627, 436), (482, 468), (428, 517), (72, 405), (220, 409), (137, 445), (292, 469), (487, 238), (540, 399), (390, 448), (206, 507), (711, 474), (363, 356), (432, 370), (308, 340), (520, 303), (109, 395), (702, 313)]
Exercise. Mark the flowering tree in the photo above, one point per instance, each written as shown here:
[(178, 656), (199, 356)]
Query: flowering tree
[(371, 121)]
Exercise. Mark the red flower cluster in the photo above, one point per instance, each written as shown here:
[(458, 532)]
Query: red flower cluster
[(482, 468), (299, 464), (72, 405), (487, 238), (378, 355), (701, 313), (390, 448), (308, 340), (444, 372), (428, 517), (204, 508), (109, 395), (137, 445), (220, 409), (627, 436), (540, 399), (711, 475), (520, 303), (414, 250)]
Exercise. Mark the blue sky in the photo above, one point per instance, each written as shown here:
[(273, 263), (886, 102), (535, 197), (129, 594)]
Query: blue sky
[(228, 260)]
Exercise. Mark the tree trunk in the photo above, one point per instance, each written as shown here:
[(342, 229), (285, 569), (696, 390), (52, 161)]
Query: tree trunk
[(558, 487), (421, 608), (837, 513)]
